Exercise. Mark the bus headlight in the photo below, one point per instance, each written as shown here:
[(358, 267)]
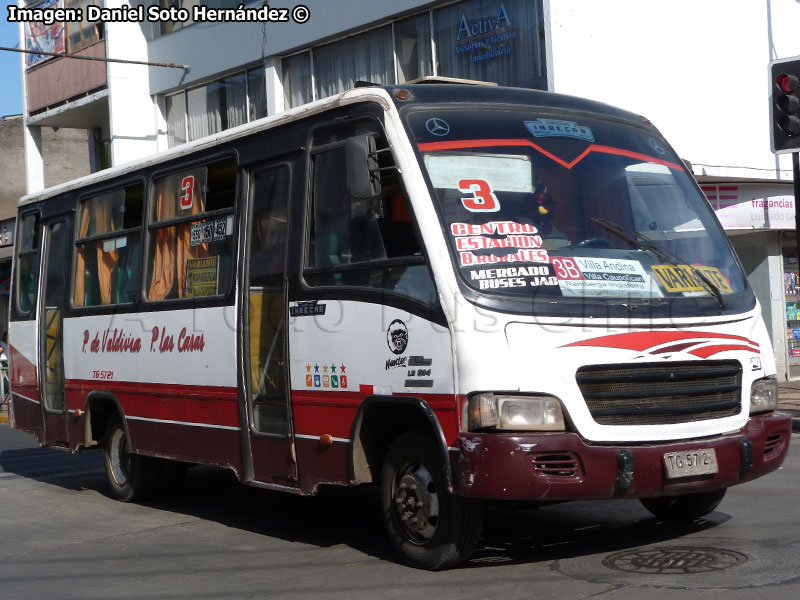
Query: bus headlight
[(516, 413), (764, 395)]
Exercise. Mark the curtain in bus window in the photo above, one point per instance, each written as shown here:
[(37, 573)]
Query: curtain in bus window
[(80, 262), (164, 254), (106, 259), (172, 246)]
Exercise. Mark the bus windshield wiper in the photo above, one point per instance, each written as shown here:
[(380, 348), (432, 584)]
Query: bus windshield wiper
[(641, 241)]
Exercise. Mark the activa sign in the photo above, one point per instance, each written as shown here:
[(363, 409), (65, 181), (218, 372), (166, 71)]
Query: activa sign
[(485, 37), (469, 29)]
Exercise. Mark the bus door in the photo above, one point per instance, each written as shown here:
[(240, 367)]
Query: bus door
[(51, 334), (264, 337)]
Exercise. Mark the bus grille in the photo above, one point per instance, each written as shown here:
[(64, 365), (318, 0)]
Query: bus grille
[(661, 393)]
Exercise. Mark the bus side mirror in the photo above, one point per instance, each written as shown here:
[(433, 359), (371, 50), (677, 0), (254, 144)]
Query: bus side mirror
[(362, 167)]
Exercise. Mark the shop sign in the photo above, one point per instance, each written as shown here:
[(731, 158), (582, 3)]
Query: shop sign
[(752, 206), (486, 37)]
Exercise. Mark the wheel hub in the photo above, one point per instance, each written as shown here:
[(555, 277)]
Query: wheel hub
[(416, 501), (119, 457)]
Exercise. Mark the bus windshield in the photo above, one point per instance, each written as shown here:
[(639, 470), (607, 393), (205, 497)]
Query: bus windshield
[(547, 207)]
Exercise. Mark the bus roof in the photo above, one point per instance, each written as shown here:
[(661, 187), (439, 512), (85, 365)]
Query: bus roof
[(445, 93), (422, 93)]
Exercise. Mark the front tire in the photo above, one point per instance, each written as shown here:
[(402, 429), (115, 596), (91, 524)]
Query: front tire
[(429, 527), (686, 507), (130, 476)]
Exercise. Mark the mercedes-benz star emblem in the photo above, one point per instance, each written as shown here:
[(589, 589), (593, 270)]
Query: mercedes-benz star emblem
[(656, 145), (437, 126)]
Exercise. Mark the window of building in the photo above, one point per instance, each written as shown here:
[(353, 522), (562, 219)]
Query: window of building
[(297, 85), (27, 269), (367, 56), (216, 106), (412, 39), (256, 94), (170, 26), (108, 247), (491, 40), (176, 119), (488, 40), (191, 233), (81, 34), (358, 242)]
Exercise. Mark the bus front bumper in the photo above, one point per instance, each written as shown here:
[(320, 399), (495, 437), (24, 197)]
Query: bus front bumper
[(562, 466)]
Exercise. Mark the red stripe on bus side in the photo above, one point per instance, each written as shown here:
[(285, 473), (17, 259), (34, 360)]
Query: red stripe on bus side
[(319, 412), (200, 404)]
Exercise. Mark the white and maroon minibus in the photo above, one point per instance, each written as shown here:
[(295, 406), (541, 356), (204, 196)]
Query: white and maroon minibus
[(458, 293)]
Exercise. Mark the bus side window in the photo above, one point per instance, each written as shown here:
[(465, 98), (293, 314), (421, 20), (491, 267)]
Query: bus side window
[(360, 242), (27, 274), (191, 233), (109, 239)]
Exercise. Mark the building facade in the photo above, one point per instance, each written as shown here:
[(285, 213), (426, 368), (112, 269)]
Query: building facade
[(704, 85), (65, 157)]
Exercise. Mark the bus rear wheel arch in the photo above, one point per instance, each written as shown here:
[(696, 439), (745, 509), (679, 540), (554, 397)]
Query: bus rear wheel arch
[(429, 526)]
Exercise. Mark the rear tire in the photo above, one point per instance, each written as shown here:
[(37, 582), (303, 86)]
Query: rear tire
[(130, 476), (429, 527), (686, 507)]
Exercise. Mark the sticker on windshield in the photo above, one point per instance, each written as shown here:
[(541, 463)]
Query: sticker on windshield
[(541, 128), (586, 276), (513, 277), (497, 241), (496, 228), (681, 278), (502, 256), (483, 198)]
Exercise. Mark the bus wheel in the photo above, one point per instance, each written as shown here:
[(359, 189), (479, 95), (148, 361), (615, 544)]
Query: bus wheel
[(685, 507), (130, 476), (429, 527)]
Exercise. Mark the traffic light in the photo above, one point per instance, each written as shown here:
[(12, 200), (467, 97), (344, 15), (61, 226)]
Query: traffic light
[(784, 105)]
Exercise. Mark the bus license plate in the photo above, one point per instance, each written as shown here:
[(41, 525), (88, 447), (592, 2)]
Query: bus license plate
[(690, 463)]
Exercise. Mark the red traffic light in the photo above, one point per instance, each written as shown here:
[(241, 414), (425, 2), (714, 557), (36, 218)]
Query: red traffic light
[(787, 83)]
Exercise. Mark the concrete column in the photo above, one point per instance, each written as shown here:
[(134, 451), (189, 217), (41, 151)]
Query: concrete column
[(274, 75), (777, 295), (34, 161), (130, 106)]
